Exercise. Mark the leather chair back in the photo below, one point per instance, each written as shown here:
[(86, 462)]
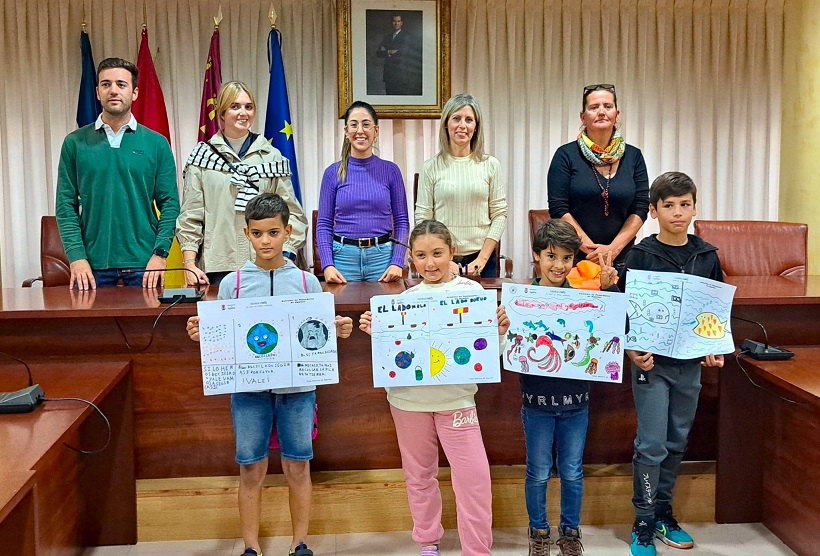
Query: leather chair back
[(317, 262), (757, 248), (53, 260)]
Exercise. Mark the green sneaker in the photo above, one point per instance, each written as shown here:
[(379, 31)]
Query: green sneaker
[(669, 532), (643, 539)]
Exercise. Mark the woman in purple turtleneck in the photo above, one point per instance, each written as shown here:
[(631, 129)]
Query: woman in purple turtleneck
[(362, 206)]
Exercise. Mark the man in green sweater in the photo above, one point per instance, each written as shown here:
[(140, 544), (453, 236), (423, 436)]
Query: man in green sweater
[(111, 174)]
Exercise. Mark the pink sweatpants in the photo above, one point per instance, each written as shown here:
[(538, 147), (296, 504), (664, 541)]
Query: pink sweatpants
[(460, 437)]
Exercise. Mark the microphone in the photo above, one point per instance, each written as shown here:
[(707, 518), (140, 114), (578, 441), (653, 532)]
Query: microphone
[(174, 295), (25, 399), (762, 352)]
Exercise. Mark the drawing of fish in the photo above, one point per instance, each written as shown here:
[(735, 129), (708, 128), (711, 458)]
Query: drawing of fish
[(654, 312), (710, 326)]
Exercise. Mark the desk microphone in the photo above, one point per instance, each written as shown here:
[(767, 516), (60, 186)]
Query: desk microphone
[(174, 295), (23, 400), (762, 352)]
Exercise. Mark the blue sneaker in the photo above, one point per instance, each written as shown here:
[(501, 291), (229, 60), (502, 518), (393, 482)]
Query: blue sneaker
[(301, 550), (669, 532), (643, 539)]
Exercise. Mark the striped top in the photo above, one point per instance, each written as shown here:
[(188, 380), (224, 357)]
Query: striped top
[(468, 197), (370, 203)]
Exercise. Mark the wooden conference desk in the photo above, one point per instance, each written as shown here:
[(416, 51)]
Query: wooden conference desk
[(53, 499), (768, 467), (181, 433)]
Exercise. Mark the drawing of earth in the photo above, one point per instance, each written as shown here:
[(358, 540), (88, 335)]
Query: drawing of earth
[(404, 359), (462, 356), (262, 338)]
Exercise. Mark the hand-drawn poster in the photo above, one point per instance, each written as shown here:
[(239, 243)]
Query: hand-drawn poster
[(564, 332), (445, 338), (678, 315), (261, 343)]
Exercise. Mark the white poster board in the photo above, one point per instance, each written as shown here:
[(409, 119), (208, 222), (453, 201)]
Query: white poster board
[(564, 332), (442, 338), (261, 343), (678, 315)]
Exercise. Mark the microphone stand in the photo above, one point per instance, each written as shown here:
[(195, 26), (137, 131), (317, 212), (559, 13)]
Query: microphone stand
[(174, 295)]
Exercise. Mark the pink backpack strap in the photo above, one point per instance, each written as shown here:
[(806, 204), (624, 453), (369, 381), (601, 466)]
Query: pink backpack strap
[(304, 281), (237, 284)]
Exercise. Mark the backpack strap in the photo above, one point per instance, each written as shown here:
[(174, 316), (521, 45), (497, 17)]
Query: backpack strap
[(237, 284), (304, 281)]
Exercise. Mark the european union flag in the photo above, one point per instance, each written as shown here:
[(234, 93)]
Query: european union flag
[(277, 119), (88, 106)]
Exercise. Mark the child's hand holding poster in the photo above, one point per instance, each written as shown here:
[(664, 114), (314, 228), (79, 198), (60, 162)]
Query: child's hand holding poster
[(424, 339), (564, 332), (678, 315), (261, 343)]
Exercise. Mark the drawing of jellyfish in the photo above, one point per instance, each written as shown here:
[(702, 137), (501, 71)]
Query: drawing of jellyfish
[(262, 338), (592, 368), (312, 335), (614, 370), (525, 366)]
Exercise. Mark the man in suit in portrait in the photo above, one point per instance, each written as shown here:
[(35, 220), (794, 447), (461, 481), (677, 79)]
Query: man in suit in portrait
[(401, 56)]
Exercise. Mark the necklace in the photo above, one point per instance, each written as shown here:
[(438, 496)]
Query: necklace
[(604, 190)]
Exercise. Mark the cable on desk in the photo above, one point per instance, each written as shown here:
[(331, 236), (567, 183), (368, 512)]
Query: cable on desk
[(153, 329), (756, 385), (107, 424)]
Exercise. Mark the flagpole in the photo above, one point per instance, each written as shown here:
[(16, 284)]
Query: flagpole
[(272, 16)]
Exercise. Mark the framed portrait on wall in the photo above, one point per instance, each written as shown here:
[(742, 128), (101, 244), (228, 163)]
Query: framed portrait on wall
[(394, 55)]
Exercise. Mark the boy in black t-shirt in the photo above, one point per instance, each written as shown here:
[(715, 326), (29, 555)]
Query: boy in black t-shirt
[(555, 411)]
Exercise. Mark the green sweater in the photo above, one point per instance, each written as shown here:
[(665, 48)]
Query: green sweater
[(105, 197)]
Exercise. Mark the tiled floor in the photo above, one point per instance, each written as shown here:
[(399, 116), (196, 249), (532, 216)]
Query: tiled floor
[(711, 540)]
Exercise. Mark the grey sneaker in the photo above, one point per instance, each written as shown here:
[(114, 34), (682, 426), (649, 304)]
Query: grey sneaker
[(569, 543), (539, 542)]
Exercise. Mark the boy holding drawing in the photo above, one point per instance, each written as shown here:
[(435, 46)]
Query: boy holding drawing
[(290, 409), (666, 390), (555, 411)]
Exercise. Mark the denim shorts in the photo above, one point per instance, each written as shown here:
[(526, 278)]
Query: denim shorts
[(362, 265), (255, 413)]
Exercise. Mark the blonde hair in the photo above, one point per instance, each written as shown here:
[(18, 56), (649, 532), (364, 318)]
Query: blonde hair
[(345, 157), (453, 105), (228, 94)]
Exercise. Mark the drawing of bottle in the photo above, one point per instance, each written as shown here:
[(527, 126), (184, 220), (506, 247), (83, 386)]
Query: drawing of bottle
[(419, 374)]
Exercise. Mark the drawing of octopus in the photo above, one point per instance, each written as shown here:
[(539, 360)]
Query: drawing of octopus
[(551, 362), (592, 368), (516, 347), (613, 345)]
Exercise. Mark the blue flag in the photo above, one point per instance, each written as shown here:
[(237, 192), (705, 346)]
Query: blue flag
[(277, 119), (88, 106)]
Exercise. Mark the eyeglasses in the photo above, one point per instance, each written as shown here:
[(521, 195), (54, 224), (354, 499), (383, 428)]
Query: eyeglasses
[(355, 126), (599, 87)]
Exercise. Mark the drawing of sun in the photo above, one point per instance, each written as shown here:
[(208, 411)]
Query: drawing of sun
[(438, 362)]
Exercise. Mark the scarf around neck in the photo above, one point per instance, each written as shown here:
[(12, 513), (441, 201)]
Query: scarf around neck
[(598, 156), (244, 176)]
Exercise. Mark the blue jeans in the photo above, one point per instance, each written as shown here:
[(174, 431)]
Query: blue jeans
[(567, 431), (108, 277), (254, 415), (362, 265)]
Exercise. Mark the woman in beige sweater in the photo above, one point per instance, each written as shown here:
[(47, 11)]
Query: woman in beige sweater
[(462, 187)]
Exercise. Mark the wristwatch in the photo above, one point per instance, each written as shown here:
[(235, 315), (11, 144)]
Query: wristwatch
[(160, 252)]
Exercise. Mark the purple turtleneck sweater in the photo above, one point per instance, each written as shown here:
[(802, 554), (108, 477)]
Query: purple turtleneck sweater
[(370, 203)]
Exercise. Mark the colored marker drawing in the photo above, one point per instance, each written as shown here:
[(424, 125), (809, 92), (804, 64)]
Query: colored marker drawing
[(270, 342), (564, 332), (678, 315), (424, 339)]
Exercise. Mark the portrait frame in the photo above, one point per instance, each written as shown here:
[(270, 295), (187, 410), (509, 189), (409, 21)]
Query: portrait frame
[(360, 24)]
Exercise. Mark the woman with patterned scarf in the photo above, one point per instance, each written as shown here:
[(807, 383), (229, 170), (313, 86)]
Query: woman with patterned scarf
[(599, 183), (221, 175)]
